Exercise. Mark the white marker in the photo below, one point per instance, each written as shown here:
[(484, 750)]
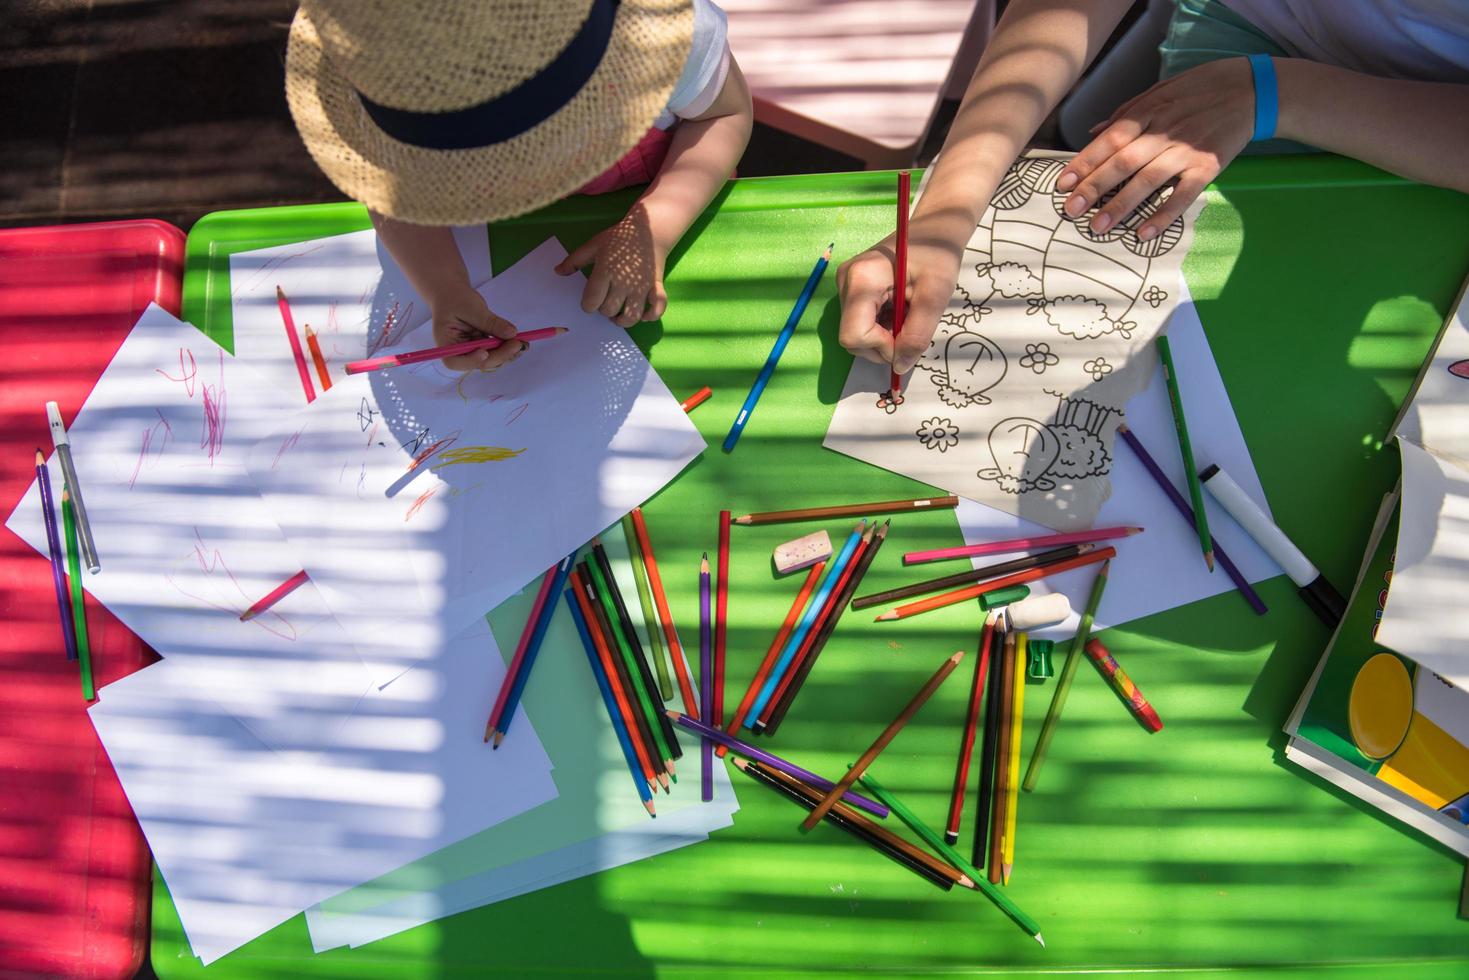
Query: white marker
[(1318, 593), (62, 442)]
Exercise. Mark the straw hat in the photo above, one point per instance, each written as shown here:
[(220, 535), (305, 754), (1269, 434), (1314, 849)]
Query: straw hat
[(467, 111)]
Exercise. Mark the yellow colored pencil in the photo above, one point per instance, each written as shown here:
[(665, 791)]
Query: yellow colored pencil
[(1017, 722)]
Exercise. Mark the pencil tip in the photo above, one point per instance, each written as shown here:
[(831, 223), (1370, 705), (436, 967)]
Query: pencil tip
[(1209, 559), (40, 457), (648, 805), (1135, 530), (740, 764), (1040, 940), (958, 656), (742, 519), (965, 881), (1005, 874), (886, 616), (247, 615), (279, 293), (827, 254), (499, 737)]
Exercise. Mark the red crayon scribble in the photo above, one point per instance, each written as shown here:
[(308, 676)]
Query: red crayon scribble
[(212, 563), (287, 445), (370, 435), (418, 504), (265, 269), (517, 413), (188, 371), (443, 443), (160, 431), (211, 436)]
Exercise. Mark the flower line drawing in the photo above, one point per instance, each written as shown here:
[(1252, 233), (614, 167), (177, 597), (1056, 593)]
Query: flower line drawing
[(1038, 357), (1098, 368), (1154, 297), (937, 433)]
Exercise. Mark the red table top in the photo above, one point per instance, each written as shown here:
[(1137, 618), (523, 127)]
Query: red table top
[(74, 868)]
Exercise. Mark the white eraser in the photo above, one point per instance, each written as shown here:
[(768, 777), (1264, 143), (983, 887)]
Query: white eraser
[(802, 552), (1037, 611), (58, 431)]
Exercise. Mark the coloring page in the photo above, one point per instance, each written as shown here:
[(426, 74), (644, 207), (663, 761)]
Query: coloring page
[(1050, 331)]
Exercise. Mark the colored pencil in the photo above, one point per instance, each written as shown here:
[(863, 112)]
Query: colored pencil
[(947, 852), (1063, 681), (62, 441), (1181, 505), (1020, 544), (647, 727), (803, 628), (781, 340), (53, 549), (974, 591), (974, 575), (806, 659), (739, 747), (888, 734), (706, 682), (610, 702), (660, 599), (966, 737), (1107, 664), (845, 510), (1004, 775), (637, 726), (607, 583), (78, 600), (526, 649), (1012, 783), (985, 790), (696, 399), (447, 350), (721, 618), (275, 595), (645, 600), (317, 360), (1186, 449), (296, 353), (776, 645), (900, 280), (879, 838)]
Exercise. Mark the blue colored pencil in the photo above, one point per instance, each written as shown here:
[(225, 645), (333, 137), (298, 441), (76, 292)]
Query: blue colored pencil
[(628, 752), (808, 619), (547, 611), (780, 345)]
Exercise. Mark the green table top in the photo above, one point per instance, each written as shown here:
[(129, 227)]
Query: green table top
[(1320, 283)]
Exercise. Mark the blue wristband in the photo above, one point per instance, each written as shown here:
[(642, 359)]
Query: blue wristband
[(1267, 99)]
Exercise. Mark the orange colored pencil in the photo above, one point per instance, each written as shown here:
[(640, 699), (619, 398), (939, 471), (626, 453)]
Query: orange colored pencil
[(317, 359), (584, 602), (696, 399), (660, 600), (781, 635), (975, 591)]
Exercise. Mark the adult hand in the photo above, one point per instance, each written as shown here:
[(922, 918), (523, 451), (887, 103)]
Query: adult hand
[(1186, 128), (626, 282), (865, 283), (461, 314)]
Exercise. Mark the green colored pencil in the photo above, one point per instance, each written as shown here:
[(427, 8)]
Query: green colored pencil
[(1195, 488), (946, 852), (1063, 683), (644, 697), (645, 599), (78, 609)]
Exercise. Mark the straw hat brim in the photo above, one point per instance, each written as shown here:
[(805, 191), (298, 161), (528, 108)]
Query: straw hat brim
[(613, 111)]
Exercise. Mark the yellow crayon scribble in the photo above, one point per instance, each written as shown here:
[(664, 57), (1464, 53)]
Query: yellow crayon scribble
[(475, 454)]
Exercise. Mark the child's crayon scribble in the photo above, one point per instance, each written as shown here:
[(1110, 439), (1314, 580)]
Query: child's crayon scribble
[(516, 413), (417, 505), (365, 415), (211, 433), (461, 491), (432, 448), (231, 598), (475, 454), (393, 328), (342, 475), (287, 445), (155, 441), (188, 371), (361, 480), (265, 270)]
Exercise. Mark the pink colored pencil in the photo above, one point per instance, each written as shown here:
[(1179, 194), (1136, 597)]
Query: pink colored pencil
[(296, 351), (1020, 544), (274, 595), (492, 726), (448, 350)]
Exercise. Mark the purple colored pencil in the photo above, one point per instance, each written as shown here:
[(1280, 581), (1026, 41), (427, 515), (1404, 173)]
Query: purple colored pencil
[(706, 684), (775, 762), (1161, 478), (53, 545)]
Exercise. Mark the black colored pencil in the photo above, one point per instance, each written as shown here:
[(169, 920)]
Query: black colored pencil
[(839, 603), (984, 792), (644, 670), (976, 575)]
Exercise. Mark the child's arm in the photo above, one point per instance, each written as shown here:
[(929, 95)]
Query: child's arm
[(430, 258), (626, 282), (1190, 126)]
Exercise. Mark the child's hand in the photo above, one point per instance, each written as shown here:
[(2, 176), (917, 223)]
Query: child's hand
[(865, 283), (461, 314), (626, 283)]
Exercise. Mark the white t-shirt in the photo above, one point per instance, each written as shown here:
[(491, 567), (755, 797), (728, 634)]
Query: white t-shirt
[(1427, 40), (705, 72)]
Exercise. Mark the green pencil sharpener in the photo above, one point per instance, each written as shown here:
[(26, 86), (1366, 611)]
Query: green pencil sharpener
[(1038, 660)]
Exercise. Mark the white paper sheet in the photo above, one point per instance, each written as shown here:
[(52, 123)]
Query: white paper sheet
[(1436, 415), (246, 837), (1166, 555), (1423, 619), (186, 543), (419, 498)]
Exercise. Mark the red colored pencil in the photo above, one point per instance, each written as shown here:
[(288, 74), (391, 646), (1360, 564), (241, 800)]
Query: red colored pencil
[(721, 618), (975, 591), (296, 352), (660, 600), (530, 627), (771, 655), (696, 399), (971, 726), (900, 275), (273, 596), (317, 359), (448, 350), (599, 641)]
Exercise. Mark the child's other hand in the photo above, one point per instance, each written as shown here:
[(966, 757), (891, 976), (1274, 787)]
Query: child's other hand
[(626, 282), (461, 314), (1186, 128)]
